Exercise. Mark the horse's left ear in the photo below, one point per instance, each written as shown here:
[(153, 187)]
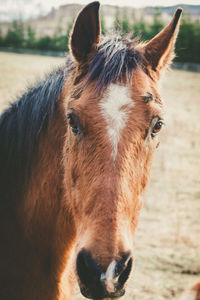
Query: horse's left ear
[(159, 52), (86, 32)]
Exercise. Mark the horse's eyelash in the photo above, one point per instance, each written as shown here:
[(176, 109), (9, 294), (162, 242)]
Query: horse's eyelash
[(158, 119), (162, 120)]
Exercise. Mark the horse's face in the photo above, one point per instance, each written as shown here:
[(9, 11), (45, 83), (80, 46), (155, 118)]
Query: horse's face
[(110, 146), (112, 134)]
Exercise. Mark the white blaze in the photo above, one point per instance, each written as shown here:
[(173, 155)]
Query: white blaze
[(110, 272), (109, 277), (115, 107)]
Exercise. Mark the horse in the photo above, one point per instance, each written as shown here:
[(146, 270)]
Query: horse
[(75, 157)]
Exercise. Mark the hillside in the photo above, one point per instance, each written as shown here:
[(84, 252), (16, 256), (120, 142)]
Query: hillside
[(58, 19)]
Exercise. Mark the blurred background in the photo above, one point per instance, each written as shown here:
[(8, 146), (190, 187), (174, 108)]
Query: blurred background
[(32, 25), (34, 40)]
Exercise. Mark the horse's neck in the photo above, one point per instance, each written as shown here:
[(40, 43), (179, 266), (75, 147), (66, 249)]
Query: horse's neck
[(44, 186), (41, 227), (44, 210)]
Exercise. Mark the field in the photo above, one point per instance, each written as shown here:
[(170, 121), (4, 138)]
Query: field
[(167, 242)]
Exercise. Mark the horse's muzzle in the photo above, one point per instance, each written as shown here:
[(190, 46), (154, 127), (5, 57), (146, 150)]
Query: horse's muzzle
[(95, 284)]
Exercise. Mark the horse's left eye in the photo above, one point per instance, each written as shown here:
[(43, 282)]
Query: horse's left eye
[(157, 127), (74, 123)]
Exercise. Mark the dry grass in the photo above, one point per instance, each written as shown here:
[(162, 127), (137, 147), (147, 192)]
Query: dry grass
[(167, 244), (19, 71)]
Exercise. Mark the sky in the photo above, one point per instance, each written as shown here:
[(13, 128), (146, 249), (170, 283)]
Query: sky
[(135, 3), (10, 9)]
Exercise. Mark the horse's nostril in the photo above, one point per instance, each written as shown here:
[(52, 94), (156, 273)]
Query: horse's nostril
[(88, 270), (125, 273), (89, 273), (121, 265)]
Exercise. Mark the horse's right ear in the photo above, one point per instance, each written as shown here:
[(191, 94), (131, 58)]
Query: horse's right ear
[(159, 52), (86, 32)]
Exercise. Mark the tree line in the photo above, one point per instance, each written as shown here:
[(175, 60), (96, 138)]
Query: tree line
[(187, 46), (20, 37)]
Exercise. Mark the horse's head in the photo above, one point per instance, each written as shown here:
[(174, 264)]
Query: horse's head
[(114, 114)]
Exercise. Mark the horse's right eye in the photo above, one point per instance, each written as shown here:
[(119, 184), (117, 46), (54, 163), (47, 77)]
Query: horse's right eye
[(74, 123), (157, 127)]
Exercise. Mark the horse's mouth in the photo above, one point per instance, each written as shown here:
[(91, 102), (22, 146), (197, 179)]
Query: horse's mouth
[(85, 292)]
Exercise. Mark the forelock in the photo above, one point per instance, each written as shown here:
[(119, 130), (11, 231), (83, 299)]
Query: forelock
[(114, 61)]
